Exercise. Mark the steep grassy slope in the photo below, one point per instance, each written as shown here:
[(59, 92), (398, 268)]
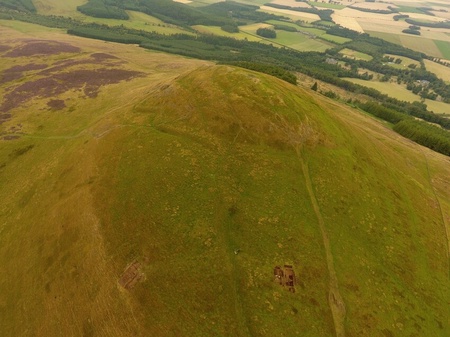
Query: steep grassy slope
[(175, 170)]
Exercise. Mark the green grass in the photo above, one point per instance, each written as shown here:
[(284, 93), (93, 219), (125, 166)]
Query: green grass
[(334, 38), (444, 47), (181, 167), (139, 21), (293, 40), (218, 31)]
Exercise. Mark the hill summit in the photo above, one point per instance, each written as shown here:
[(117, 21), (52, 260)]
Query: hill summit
[(221, 202)]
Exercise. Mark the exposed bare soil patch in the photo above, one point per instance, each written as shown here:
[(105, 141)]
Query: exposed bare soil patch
[(131, 276), (285, 276), (37, 47)]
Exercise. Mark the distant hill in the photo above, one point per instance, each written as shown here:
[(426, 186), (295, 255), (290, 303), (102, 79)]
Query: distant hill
[(145, 194)]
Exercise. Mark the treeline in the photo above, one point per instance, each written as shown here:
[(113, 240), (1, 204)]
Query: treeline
[(425, 134), (104, 9), (324, 14), (445, 24), (19, 5), (267, 69), (376, 11), (418, 131)]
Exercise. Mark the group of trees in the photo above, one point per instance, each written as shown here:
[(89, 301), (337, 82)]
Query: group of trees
[(104, 9), (266, 32), (419, 131)]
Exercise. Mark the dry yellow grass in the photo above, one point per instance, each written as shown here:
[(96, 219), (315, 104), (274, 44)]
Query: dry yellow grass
[(373, 5), (347, 21), (441, 71), (291, 3)]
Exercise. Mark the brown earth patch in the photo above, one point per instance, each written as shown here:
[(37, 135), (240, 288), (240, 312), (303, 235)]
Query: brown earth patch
[(285, 277), (56, 104), (131, 276), (37, 47)]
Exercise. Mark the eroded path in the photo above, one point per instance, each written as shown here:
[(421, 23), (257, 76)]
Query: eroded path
[(335, 300)]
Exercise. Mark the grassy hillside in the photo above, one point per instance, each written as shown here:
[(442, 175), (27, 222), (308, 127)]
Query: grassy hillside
[(159, 202)]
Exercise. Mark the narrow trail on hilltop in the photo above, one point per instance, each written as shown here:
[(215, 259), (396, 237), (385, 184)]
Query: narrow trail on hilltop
[(335, 300)]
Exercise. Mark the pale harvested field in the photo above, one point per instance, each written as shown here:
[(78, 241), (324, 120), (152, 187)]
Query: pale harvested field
[(291, 14), (373, 5), (183, 1), (384, 26), (291, 3), (438, 107), (421, 44), (435, 34), (347, 22), (441, 71), (444, 15), (419, 16), (389, 88), (354, 13)]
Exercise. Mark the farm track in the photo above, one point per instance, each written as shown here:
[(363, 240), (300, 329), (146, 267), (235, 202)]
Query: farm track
[(335, 300), (446, 226)]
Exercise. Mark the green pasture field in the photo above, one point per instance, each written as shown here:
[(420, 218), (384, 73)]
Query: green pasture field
[(284, 23), (439, 70), (444, 47), (29, 28), (220, 32), (293, 40), (391, 89), (334, 38), (408, 9), (355, 54), (325, 5), (139, 21)]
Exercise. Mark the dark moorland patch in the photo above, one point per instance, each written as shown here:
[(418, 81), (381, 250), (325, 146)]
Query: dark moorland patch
[(89, 81), (42, 48), (56, 104), (16, 72)]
